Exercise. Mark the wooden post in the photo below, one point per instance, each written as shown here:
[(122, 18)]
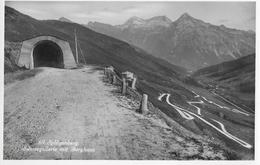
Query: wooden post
[(114, 79), (105, 71), (143, 106), (133, 83), (110, 78), (108, 74), (123, 86)]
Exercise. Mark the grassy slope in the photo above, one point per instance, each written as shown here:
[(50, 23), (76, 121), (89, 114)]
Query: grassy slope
[(234, 79)]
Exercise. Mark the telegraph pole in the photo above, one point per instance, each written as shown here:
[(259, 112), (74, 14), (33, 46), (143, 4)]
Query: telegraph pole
[(76, 47)]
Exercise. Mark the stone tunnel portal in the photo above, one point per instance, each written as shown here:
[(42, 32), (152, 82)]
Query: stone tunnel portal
[(49, 54)]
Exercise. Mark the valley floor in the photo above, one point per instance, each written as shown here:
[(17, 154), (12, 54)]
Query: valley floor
[(73, 114)]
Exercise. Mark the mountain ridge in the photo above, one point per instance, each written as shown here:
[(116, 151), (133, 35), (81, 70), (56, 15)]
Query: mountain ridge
[(187, 41), (150, 23)]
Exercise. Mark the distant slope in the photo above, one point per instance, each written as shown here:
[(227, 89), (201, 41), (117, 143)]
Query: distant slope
[(235, 79), (187, 42)]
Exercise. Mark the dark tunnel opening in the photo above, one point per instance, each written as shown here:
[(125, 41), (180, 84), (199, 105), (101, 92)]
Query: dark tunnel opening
[(48, 54)]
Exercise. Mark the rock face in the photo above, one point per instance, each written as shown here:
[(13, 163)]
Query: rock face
[(188, 42), (11, 51)]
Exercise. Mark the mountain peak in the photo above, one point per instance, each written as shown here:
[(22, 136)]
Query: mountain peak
[(153, 22), (187, 19), (160, 18), (134, 21), (185, 16), (135, 18), (63, 19)]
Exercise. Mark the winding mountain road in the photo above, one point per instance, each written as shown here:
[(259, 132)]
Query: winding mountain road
[(242, 111), (188, 115), (223, 107)]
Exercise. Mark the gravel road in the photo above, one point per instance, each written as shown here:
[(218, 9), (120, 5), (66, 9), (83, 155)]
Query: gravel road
[(73, 114)]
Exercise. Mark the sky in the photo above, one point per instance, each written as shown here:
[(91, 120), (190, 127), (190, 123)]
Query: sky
[(239, 15)]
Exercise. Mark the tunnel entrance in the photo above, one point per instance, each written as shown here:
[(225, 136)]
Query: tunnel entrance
[(48, 53)]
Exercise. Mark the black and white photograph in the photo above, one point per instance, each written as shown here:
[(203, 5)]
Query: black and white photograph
[(129, 80)]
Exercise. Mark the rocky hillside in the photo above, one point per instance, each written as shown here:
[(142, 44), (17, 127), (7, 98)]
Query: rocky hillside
[(11, 51), (187, 42)]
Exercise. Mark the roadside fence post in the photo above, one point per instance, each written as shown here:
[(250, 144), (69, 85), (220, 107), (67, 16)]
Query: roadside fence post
[(133, 83), (114, 79), (143, 106), (105, 71), (123, 86)]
